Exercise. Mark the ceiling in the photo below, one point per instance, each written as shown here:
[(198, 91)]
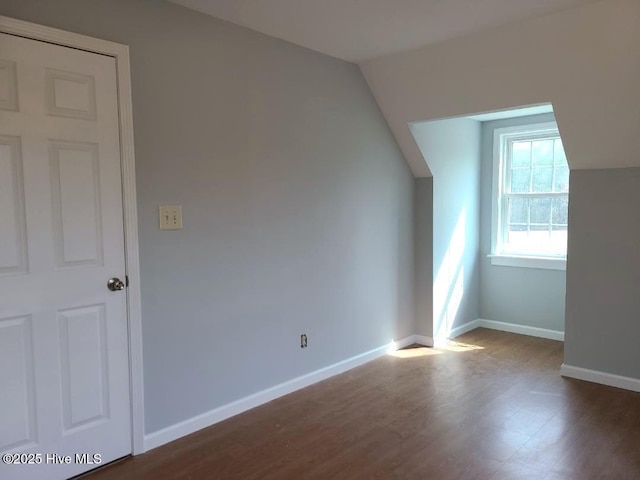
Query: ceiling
[(357, 30), (512, 113)]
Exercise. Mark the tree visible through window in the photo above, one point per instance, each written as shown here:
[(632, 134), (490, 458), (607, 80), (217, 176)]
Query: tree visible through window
[(533, 192)]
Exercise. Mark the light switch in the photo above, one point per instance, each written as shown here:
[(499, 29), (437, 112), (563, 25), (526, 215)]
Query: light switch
[(170, 217)]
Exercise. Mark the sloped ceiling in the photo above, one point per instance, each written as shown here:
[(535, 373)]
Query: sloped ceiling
[(356, 30), (583, 61)]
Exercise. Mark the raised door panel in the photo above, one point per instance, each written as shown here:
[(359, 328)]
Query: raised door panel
[(84, 374), (75, 186), (12, 217), (18, 414), (70, 94), (8, 85)]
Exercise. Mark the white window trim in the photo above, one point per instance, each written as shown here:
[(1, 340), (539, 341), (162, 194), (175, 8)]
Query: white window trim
[(546, 263), (501, 137)]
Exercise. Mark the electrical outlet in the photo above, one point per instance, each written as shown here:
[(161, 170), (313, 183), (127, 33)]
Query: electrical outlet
[(303, 340), (170, 217)]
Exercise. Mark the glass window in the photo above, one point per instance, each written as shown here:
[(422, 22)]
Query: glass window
[(532, 198)]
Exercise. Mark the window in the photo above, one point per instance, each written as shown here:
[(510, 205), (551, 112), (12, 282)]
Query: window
[(530, 197)]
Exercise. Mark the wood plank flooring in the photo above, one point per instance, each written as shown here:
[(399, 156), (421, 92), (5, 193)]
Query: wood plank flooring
[(492, 406)]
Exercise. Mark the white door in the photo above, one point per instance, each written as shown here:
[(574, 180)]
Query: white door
[(64, 380)]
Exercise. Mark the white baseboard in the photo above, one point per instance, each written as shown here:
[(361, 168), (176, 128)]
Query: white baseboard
[(467, 327), (626, 383), (402, 343), (493, 325), (520, 329), (424, 340), (173, 432)]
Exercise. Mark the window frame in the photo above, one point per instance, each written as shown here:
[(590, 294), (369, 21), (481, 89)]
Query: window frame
[(501, 138)]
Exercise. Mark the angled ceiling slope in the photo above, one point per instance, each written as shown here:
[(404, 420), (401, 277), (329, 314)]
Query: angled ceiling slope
[(584, 61), (357, 30)]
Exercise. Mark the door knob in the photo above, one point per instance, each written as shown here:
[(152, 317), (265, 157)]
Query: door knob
[(115, 284)]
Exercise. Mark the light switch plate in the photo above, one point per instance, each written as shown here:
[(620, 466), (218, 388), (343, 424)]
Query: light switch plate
[(170, 217)]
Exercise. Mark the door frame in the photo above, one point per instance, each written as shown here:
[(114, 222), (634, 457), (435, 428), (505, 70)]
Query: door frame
[(121, 55)]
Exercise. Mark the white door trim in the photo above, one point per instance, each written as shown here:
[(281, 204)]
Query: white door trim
[(121, 54)]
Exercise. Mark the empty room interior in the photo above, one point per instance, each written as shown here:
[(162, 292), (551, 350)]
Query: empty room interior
[(290, 239)]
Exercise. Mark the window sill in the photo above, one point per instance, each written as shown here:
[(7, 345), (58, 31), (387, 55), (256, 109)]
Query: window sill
[(545, 263)]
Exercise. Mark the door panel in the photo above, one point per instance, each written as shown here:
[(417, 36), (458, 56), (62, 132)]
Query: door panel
[(70, 94), (13, 248), (16, 349), (85, 390), (8, 85), (62, 332), (75, 188)]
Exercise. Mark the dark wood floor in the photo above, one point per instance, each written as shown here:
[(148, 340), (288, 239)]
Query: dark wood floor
[(493, 407)]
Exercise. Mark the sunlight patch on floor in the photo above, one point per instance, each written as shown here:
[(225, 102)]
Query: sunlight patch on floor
[(415, 352), (455, 346), (450, 346)]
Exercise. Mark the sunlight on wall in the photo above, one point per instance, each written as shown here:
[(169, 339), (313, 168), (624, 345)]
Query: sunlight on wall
[(448, 288)]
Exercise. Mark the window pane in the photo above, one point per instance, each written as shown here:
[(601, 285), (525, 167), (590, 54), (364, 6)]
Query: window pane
[(558, 241), (559, 157), (561, 180), (520, 180), (560, 207), (517, 239), (542, 152), (540, 211), (537, 166), (518, 210), (542, 179), (520, 154), (539, 238)]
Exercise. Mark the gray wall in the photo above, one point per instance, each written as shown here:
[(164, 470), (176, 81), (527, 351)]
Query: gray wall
[(423, 248), (525, 296), (603, 271), (297, 204), (451, 148)]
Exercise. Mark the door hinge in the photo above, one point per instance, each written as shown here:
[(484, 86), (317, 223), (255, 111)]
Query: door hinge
[(126, 280)]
